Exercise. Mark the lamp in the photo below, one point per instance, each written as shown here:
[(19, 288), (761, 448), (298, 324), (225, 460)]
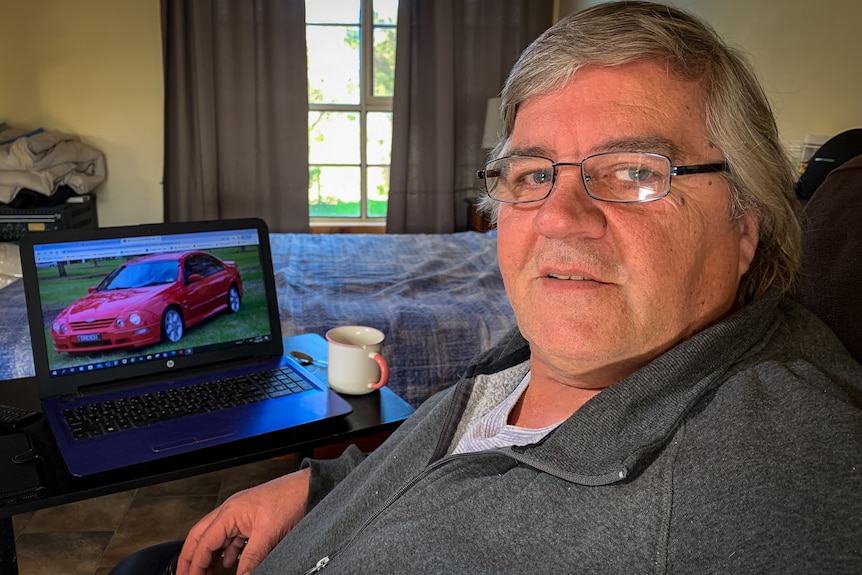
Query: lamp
[(493, 123)]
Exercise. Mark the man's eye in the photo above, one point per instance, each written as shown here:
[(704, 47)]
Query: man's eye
[(634, 174), (537, 177)]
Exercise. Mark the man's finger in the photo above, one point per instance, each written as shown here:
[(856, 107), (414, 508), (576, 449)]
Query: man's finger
[(232, 551), (251, 558)]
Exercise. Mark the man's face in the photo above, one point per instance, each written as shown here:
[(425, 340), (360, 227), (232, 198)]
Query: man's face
[(600, 289)]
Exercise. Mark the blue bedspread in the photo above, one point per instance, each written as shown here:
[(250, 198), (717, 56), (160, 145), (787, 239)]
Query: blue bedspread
[(16, 359), (438, 298)]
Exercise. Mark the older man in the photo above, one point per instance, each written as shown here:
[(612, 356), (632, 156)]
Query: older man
[(663, 407)]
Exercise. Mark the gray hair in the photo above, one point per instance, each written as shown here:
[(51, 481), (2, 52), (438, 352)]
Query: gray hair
[(739, 120)]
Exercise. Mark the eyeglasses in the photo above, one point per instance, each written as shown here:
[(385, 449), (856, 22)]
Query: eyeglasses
[(623, 177)]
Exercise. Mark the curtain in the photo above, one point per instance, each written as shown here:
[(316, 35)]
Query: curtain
[(236, 111), (452, 55)]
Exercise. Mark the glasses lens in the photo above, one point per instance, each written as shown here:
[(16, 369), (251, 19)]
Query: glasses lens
[(519, 179), (627, 176)]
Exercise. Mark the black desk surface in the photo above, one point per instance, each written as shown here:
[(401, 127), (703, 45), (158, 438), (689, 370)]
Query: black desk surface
[(372, 413)]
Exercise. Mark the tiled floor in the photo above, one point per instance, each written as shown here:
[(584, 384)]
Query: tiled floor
[(90, 537)]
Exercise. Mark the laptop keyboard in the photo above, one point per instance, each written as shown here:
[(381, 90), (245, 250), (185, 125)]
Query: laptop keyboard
[(116, 415)]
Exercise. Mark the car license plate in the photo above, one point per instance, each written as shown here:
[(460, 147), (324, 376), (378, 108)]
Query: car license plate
[(89, 337)]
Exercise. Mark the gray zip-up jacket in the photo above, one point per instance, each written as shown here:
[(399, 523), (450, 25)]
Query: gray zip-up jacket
[(738, 451)]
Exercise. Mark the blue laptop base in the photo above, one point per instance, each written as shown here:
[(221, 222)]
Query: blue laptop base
[(144, 444)]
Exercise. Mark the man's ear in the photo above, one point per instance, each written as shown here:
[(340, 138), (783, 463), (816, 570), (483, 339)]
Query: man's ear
[(749, 237)]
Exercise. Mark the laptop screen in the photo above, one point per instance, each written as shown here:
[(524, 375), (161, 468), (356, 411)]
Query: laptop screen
[(119, 303)]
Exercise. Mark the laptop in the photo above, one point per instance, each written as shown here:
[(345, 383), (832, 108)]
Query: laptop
[(156, 340)]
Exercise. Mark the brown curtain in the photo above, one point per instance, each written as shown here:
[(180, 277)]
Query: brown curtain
[(236, 111), (452, 55)]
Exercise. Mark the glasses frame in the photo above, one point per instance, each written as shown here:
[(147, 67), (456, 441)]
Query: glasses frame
[(674, 171)]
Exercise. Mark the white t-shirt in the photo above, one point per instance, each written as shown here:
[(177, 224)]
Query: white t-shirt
[(492, 430)]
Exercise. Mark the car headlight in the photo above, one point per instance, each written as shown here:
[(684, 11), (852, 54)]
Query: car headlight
[(120, 322), (59, 327), (135, 319)]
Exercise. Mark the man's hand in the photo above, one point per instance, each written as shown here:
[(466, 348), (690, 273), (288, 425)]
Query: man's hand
[(262, 515)]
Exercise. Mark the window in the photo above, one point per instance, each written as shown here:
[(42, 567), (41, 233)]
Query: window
[(351, 78)]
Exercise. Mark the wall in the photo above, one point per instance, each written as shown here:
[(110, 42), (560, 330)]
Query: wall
[(92, 68), (805, 53)]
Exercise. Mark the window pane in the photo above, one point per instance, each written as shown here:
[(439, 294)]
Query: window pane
[(379, 143), (333, 137), (333, 64), (333, 191), (384, 61), (378, 191), (332, 11), (350, 43), (385, 11)]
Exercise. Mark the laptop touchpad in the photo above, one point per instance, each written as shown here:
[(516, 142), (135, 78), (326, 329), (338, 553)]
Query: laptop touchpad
[(196, 440)]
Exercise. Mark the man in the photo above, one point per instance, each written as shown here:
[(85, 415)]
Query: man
[(664, 408)]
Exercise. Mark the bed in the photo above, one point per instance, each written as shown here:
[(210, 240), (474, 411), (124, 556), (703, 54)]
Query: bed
[(438, 298)]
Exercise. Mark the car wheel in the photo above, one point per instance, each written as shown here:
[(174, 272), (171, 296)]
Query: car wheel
[(172, 325), (233, 299)]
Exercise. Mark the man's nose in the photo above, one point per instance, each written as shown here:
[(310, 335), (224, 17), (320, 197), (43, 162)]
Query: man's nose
[(569, 210)]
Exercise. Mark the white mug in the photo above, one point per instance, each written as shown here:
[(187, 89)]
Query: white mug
[(355, 364)]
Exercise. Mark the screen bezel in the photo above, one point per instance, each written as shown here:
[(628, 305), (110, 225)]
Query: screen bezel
[(49, 385)]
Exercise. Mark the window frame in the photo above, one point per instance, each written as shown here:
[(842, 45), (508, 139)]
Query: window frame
[(368, 102)]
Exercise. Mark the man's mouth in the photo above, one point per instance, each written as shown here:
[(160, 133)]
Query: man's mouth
[(572, 278)]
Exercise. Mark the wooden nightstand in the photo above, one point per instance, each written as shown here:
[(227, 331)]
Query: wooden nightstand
[(476, 221)]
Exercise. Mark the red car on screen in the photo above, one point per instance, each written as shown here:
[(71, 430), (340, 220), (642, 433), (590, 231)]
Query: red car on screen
[(147, 300)]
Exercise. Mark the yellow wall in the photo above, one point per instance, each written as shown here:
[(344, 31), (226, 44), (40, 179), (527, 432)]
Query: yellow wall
[(806, 54), (92, 68)]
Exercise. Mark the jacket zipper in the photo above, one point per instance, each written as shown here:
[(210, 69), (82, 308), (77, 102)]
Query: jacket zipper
[(318, 566), (324, 561)]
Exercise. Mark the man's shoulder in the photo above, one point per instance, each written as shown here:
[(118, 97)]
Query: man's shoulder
[(806, 361), (780, 439), (800, 391)]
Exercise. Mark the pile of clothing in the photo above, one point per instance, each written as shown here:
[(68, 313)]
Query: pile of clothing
[(41, 167)]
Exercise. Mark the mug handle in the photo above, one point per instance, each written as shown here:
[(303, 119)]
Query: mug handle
[(384, 371)]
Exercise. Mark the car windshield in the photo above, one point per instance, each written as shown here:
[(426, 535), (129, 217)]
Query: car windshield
[(141, 275)]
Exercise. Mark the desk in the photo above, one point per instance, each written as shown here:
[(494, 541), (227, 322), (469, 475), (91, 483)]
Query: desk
[(377, 412)]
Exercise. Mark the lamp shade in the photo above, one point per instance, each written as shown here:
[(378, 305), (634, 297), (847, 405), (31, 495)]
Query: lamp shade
[(493, 123)]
